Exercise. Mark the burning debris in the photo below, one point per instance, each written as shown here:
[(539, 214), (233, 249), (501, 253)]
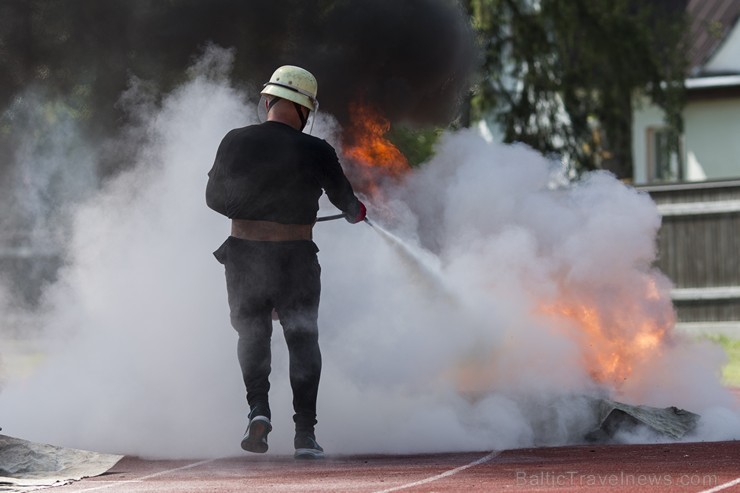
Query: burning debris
[(614, 339), (612, 343)]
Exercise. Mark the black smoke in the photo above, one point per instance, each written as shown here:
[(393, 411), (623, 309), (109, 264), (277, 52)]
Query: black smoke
[(66, 64), (410, 58)]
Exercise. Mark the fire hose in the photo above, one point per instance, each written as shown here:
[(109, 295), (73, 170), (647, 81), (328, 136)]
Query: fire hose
[(338, 216), (329, 218)]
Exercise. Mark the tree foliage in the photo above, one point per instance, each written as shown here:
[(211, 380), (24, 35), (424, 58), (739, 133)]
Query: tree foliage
[(564, 76)]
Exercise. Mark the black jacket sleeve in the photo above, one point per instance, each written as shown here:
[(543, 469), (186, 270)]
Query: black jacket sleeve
[(215, 194), (216, 189), (335, 183)]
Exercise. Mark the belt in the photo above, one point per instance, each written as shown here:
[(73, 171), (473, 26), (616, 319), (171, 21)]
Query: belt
[(245, 229)]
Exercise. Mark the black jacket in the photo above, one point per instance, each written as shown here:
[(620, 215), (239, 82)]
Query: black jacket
[(273, 172)]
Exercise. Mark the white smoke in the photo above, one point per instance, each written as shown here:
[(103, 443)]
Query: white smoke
[(50, 167), (141, 358), (53, 164)]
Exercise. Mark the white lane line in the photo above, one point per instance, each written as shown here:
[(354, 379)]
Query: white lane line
[(144, 478), (445, 474), (723, 486)]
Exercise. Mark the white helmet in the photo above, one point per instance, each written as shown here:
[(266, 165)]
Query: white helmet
[(294, 84)]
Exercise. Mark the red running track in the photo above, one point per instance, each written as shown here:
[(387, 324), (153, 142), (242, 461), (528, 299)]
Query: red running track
[(682, 467), (707, 467)]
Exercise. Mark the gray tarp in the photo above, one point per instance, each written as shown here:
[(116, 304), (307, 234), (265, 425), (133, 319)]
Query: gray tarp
[(616, 416), (28, 466)]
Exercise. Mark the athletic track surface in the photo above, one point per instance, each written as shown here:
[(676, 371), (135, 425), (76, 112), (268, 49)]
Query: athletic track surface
[(677, 467)]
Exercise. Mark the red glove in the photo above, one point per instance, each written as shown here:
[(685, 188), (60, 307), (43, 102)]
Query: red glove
[(360, 215)]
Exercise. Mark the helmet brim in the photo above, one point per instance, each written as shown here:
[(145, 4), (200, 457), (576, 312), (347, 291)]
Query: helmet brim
[(290, 95)]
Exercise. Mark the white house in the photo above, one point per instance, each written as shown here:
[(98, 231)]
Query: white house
[(711, 139)]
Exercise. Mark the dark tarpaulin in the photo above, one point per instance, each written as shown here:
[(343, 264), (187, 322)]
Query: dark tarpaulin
[(614, 417)]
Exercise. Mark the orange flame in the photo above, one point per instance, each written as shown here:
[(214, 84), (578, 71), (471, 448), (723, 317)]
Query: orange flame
[(374, 157), (612, 344), (616, 338)]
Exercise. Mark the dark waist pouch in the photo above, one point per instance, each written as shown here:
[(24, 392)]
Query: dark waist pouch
[(235, 251)]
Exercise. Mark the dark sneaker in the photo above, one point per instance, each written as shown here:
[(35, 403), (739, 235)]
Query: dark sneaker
[(255, 438), (306, 447)]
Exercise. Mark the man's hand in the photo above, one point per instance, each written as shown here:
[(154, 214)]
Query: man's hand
[(359, 217)]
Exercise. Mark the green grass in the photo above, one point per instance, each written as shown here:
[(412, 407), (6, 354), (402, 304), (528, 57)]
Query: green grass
[(731, 371)]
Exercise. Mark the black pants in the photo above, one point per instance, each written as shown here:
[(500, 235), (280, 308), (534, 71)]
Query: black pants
[(285, 276)]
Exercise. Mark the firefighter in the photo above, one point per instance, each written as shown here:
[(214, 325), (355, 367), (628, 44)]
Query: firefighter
[(267, 178)]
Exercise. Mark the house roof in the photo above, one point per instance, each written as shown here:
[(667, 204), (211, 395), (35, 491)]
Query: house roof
[(712, 22)]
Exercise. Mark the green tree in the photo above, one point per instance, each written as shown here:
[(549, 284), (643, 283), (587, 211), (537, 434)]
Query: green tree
[(563, 76)]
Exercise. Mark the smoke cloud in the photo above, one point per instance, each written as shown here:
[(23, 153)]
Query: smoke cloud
[(65, 65), (412, 59), (450, 352)]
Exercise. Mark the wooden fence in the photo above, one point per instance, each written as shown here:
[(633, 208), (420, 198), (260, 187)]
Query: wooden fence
[(699, 250)]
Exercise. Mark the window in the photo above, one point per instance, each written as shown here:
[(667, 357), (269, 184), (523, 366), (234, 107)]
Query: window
[(662, 162)]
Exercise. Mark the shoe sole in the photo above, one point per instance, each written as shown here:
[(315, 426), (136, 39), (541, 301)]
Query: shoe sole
[(308, 454), (256, 439)]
